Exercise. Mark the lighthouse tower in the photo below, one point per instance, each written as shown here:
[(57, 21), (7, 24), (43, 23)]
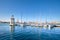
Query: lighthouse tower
[(12, 21)]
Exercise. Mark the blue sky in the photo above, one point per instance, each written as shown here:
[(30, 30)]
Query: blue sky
[(31, 10)]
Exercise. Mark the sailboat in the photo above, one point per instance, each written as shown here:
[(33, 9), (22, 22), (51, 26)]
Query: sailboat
[(22, 23)]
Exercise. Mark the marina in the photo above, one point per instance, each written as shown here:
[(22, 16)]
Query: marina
[(29, 19), (28, 33), (17, 31)]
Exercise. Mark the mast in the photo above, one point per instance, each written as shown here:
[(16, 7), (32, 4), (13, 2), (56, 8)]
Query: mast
[(21, 17), (46, 22)]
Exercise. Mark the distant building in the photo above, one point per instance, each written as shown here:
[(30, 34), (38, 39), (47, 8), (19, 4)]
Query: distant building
[(12, 20)]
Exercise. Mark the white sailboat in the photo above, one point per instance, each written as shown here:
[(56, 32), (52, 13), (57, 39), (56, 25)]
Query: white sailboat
[(21, 24)]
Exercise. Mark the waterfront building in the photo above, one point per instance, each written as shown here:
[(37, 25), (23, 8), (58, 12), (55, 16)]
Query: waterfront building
[(12, 20)]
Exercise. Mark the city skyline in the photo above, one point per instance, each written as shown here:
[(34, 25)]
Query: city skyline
[(31, 10)]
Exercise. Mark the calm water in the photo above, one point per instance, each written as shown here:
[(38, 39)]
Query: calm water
[(28, 33)]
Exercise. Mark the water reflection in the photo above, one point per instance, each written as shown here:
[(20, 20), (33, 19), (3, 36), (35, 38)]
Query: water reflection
[(33, 33), (28, 33), (12, 30)]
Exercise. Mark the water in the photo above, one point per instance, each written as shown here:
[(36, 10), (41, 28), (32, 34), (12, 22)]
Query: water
[(28, 33)]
